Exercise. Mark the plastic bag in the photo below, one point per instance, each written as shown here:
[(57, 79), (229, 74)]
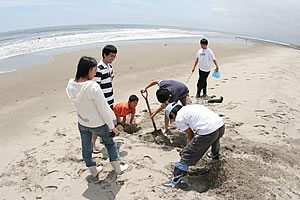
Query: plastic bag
[(216, 74)]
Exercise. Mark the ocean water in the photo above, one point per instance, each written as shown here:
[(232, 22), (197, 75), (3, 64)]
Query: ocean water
[(14, 46), (35, 40)]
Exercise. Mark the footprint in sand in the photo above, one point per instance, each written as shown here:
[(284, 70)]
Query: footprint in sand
[(212, 88), (234, 77), (39, 131), (148, 159), (273, 101), (267, 117), (263, 132), (259, 126), (48, 120)]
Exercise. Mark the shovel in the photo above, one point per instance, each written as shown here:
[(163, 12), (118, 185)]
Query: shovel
[(164, 139), (145, 95), (188, 79)]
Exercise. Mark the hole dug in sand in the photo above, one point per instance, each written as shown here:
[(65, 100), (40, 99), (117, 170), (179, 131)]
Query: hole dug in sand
[(132, 128), (172, 138)]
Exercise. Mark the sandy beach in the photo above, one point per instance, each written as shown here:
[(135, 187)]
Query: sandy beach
[(41, 149)]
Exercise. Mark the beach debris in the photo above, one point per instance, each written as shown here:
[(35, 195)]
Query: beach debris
[(215, 99)]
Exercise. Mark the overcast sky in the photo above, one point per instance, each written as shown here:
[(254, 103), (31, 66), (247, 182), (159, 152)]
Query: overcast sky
[(270, 19)]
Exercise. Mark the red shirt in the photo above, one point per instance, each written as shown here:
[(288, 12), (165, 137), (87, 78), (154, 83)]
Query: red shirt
[(123, 109)]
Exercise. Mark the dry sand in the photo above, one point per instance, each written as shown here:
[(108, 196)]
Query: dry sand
[(40, 143)]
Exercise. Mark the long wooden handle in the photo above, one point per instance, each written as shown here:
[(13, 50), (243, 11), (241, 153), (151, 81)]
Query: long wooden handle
[(149, 109)]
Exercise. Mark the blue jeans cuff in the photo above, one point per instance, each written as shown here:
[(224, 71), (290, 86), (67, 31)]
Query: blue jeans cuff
[(181, 166)]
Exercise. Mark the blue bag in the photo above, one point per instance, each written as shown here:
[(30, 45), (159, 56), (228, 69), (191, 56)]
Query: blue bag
[(216, 74)]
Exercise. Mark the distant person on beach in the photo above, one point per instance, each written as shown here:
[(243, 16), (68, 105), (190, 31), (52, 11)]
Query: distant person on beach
[(203, 128), (126, 108), (94, 115), (205, 56), (169, 91), (104, 78)]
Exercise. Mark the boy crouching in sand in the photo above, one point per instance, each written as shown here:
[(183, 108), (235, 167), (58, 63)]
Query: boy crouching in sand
[(124, 109), (203, 127)]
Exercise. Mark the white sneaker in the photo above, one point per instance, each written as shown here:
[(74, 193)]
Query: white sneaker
[(95, 170), (118, 167)]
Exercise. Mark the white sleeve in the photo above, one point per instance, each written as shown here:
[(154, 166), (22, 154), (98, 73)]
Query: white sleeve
[(103, 108), (212, 55), (197, 55)]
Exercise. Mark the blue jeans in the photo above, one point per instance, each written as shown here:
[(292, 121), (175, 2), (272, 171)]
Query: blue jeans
[(86, 142)]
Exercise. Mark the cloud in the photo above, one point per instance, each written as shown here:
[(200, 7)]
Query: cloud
[(221, 11)]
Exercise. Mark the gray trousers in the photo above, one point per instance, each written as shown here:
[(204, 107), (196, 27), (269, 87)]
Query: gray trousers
[(197, 147)]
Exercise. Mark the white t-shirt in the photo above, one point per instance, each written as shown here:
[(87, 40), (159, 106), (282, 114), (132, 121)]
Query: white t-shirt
[(205, 58), (199, 118)]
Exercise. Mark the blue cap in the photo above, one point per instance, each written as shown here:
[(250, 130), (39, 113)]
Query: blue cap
[(169, 108)]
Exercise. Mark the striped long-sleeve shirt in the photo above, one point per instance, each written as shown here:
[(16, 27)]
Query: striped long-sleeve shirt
[(104, 76)]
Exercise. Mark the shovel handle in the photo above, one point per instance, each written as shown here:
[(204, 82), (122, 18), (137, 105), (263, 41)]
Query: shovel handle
[(145, 95)]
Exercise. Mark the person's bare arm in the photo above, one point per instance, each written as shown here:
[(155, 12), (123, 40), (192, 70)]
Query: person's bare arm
[(124, 121), (152, 83), (195, 64), (131, 118), (160, 108), (190, 134), (216, 64)]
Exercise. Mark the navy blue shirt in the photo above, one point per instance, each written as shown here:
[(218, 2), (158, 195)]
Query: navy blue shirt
[(176, 88)]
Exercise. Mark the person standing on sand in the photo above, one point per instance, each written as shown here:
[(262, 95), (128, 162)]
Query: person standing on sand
[(94, 115), (104, 78), (169, 91), (203, 127), (204, 58)]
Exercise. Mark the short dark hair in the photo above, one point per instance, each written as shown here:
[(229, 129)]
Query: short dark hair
[(109, 49), (204, 41), (163, 95), (84, 66), (175, 110), (133, 98)]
